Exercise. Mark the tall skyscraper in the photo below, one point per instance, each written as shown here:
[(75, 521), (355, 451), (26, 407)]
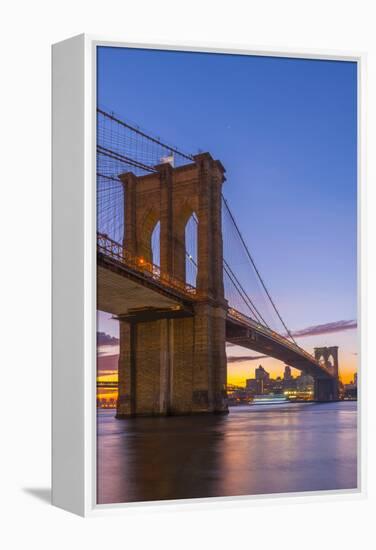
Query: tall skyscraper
[(287, 373), (261, 374)]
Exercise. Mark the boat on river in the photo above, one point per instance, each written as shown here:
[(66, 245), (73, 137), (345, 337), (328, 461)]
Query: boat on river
[(269, 399)]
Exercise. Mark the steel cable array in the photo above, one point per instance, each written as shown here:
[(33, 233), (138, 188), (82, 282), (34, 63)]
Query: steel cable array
[(123, 147)]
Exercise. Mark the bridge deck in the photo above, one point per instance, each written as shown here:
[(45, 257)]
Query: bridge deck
[(125, 283), (246, 333)]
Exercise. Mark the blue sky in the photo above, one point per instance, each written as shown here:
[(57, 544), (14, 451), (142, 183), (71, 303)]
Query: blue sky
[(285, 129)]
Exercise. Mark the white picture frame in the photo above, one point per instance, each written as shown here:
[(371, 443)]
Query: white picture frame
[(74, 278)]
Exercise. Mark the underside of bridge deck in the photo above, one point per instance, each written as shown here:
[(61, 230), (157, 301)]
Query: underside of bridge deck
[(258, 341), (120, 289), (325, 384)]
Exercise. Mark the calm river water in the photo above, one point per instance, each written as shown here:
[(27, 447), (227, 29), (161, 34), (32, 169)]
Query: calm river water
[(253, 450)]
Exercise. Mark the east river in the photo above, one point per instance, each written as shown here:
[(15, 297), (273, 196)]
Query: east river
[(253, 450)]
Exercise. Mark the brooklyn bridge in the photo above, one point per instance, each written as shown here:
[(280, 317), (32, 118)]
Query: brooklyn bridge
[(175, 269)]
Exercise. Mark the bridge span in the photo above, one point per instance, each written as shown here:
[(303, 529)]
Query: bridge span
[(176, 314), (136, 291)]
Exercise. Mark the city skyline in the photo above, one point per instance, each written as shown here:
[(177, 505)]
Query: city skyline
[(285, 129), (240, 367)]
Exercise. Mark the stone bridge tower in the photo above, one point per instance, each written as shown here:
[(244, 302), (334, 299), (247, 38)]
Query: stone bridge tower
[(175, 365), (327, 389)]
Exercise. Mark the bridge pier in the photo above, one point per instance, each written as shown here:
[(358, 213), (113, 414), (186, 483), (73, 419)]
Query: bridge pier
[(173, 366), (175, 363), (326, 389)]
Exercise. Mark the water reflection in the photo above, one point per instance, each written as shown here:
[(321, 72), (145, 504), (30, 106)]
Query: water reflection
[(253, 450)]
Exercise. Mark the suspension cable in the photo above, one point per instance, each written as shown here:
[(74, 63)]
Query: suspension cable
[(242, 292), (116, 156), (143, 134), (122, 158), (255, 268)]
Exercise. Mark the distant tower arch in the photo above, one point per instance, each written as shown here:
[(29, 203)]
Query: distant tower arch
[(327, 353), (327, 389)]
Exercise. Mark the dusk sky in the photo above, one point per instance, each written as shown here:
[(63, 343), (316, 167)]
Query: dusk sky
[(285, 130)]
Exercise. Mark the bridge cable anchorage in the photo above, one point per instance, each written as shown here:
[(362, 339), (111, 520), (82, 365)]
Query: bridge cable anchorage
[(256, 270)]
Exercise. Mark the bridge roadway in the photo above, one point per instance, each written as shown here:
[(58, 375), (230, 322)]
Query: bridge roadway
[(129, 284)]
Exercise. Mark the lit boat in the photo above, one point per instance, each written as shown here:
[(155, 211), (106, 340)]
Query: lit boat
[(269, 399)]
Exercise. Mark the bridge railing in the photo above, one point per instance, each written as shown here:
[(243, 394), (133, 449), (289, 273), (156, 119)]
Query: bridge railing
[(268, 332), (116, 251)]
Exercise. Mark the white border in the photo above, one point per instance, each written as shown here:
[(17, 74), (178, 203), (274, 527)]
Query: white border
[(68, 275), (89, 378)]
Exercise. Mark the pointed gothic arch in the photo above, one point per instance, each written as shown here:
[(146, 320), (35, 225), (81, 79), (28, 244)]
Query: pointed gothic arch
[(156, 244), (191, 249)]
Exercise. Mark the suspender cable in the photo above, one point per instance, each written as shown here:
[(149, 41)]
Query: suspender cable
[(143, 134), (136, 162), (241, 291), (235, 281), (255, 268)]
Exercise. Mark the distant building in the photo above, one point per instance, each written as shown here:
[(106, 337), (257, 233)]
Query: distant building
[(261, 374), (290, 384), (252, 385), (277, 385), (262, 379), (300, 387), (260, 383), (305, 382), (350, 391), (287, 374)]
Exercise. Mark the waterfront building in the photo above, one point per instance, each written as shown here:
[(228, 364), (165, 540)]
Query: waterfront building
[(287, 374), (305, 382)]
